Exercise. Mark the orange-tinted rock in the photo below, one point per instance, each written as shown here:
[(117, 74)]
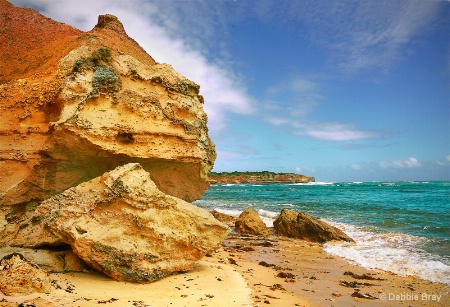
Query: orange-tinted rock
[(20, 277), (250, 223), (75, 104), (224, 218), (49, 260), (303, 226), (257, 177)]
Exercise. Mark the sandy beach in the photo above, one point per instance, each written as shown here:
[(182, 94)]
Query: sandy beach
[(250, 271), (316, 278)]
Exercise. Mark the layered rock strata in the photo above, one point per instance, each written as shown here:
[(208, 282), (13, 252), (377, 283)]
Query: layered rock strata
[(121, 224), (76, 104)]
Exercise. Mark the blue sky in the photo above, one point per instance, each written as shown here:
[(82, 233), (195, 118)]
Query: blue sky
[(339, 90)]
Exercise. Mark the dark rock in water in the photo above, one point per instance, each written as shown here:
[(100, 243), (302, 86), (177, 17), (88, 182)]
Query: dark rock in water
[(303, 226), (250, 223)]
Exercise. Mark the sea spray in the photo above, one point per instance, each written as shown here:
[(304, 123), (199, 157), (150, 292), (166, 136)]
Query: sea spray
[(393, 252), (400, 227)]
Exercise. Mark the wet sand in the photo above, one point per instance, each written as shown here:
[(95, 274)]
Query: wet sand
[(321, 279), (250, 271)]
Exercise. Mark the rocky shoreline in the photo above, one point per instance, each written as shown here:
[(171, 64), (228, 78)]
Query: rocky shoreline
[(253, 266), (292, 272), (248, 271)]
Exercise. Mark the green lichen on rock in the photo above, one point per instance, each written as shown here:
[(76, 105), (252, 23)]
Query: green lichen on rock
[(106, 79)]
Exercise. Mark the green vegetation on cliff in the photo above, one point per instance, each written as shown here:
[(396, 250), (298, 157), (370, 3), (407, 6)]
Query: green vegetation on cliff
[(235, 173), (257, 177)]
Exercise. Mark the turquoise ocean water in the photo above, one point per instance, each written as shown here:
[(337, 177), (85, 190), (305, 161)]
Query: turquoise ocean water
[(401, 227)]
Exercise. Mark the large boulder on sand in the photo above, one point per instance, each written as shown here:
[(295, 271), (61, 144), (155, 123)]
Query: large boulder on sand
[(21, 277), (122, 225), (303, 226), (250, 223)]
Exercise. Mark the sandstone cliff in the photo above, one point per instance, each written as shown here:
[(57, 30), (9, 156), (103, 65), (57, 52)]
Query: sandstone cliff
[(257, 177), (75, 104)]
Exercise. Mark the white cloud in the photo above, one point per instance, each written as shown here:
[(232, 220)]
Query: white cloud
[(336, 132), (156, 28), (305, 170), (381, 31), (278, 121), (356, 167), (295, 97), (408, 163), (300, 96), (445, 161), (360, 35)]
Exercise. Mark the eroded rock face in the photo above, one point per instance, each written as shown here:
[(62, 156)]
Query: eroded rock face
[(63, 260), (122, 225), (75, 104), (303, 226), (20, 277), (224, 218), (250, 223)]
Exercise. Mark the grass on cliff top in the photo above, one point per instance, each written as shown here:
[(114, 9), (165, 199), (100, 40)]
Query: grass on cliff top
[(235, 173)]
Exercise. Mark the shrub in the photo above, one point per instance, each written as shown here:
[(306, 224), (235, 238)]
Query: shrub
[(101, 55), (106, 79)]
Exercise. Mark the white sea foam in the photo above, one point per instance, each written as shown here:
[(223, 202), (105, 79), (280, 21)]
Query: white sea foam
[(314, 183), (387, 184), (266, 216), (234, 213), (392, 252), (267, 213)]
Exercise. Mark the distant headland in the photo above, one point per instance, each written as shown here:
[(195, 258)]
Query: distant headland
[(257, 177)]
